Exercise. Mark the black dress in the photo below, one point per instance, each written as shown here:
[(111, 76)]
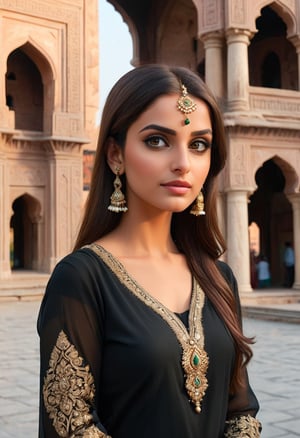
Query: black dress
[(111, 361)]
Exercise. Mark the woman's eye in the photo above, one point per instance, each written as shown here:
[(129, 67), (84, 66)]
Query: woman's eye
[(155, 142), (200, 145)]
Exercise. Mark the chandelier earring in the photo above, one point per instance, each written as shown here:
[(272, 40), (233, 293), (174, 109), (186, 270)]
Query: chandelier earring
[(117, 199), (198, 207)]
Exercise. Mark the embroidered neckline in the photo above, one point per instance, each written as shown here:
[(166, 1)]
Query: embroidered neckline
[(194, 357)]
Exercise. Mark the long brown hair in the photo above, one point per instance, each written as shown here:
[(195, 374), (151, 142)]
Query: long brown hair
[(198, 238)]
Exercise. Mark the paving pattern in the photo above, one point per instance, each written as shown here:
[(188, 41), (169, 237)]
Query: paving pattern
[(275, 376), (274, 373)]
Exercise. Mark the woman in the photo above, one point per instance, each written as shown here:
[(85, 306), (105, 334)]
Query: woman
[(140, 326)]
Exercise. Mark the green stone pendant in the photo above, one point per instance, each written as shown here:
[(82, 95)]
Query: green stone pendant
[(196, 360), (197, 382)]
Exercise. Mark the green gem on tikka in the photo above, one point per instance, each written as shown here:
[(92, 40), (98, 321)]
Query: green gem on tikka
[(187, 121)]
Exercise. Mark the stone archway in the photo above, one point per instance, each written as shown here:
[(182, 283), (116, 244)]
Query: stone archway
[(24, 232), (25, 88), (271, 210), (29, 85), (181, 47), (272, 57)]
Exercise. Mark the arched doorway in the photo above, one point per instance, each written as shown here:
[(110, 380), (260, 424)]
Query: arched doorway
[(24, 91), (272, 57), (24, 232), (270, 209)]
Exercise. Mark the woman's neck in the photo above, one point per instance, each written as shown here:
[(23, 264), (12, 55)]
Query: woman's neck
[(138, 236)]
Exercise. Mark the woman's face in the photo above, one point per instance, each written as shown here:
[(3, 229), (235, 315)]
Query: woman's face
[(165, 161)]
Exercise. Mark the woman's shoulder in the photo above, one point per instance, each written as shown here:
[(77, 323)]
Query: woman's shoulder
[(225, 269), (78, 259), (227, 273), (76, 266)]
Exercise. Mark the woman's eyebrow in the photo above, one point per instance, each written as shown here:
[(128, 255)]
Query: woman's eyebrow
[(173, 132), (159, 128), (202, 132)]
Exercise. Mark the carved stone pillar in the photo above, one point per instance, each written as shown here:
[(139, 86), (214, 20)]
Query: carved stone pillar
[(296, 41), (238, 255), (214, 68), (221, 209), (295, 201), (5, 210), (237, 69), (65, 198), (5, 270)]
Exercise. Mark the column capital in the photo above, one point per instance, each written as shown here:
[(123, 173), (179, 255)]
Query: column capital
[(239, 190), (213, 39), (294, 199), (295, 40), (235, 35)]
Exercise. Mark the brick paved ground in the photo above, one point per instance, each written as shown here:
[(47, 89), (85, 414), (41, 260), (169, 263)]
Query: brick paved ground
[(274, 373)]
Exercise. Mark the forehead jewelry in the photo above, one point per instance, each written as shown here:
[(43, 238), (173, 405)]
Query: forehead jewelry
[(185, 104)]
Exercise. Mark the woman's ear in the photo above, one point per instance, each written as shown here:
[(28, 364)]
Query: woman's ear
[(114, 156)]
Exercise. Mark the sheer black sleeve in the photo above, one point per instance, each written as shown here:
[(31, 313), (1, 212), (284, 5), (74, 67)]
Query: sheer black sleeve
[(243, 404), (70, 326)]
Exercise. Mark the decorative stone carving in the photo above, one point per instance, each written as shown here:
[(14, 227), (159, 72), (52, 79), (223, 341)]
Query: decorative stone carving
[(27, 175), (67, 125), (237, 13), (210, 16), (71, 16), (275, 102), (61, 39)]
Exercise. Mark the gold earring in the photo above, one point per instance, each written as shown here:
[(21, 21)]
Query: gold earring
[(198, 207), (117, 199)]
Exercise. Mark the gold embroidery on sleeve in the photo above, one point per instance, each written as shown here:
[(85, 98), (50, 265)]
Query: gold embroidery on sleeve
[(93, 432), (68, 390), (243, 427)]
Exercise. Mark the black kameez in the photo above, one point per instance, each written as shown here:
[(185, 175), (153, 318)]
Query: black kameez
[(110, 362)]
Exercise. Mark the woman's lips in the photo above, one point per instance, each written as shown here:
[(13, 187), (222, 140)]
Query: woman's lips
[(177, 187)]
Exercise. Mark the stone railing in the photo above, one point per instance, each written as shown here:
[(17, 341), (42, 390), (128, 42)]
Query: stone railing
[(275, 104)]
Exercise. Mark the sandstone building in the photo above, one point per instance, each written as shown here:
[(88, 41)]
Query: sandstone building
[(248, 51), (48, 104)]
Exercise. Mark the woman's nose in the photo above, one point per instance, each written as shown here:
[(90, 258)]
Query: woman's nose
[(181, 160)]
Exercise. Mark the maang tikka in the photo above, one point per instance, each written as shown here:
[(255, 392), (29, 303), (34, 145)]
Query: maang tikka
[(117, 199), (198, 207), (185, 104)]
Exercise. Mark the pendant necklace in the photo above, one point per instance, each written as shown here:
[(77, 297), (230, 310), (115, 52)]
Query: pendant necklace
[(194, 358)]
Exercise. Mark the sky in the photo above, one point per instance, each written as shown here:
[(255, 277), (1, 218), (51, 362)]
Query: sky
[(115, 48)]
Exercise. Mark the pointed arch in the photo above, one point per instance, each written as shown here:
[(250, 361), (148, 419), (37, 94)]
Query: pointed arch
[(271, 210), (290, 174), (132, 30), (24, 232), (284, 162), (35, 50), (283, 10), (32, 88), (180, 47), (273, 60)]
